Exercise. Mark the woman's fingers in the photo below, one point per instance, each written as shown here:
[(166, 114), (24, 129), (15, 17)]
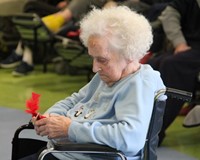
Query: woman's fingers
[(52, 126)]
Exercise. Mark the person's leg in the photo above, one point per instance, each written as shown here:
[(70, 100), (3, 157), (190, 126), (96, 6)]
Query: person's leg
[(41, 8), (26, 66), (74, 11), (77, 8), (28, 56), (35, 157), (19, 50), (156, 60), (137, 6), (178, 72), (30, 157), (14, 59)]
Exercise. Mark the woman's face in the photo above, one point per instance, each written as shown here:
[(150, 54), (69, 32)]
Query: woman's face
[(109, 64)]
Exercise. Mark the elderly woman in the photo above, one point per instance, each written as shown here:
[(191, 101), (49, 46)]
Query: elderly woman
[(115, 107)]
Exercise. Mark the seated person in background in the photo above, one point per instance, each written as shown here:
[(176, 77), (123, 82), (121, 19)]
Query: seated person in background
[(115, 107), (78, 8), (180, 66), (22, 57), (44, 7), (55, 18)]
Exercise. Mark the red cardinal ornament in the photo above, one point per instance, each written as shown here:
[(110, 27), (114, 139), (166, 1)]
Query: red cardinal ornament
[(32, 106)]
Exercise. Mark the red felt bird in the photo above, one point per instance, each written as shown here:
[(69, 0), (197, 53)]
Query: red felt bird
[(32, 106)]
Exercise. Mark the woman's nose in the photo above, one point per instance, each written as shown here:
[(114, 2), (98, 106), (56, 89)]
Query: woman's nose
[(95, 67)]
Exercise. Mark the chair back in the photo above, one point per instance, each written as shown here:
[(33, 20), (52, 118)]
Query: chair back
[(33, 32), (155, 126), (31, 28), (156, 121)]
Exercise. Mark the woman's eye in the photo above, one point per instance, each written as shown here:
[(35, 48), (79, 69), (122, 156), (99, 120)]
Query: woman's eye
[(102, 60)]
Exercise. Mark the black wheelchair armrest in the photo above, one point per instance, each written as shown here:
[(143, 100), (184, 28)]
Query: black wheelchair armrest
[(89, 148), (23, 127), (83, 147), (178, 94)]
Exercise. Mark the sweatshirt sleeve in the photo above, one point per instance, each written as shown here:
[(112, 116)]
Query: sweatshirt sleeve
[(61, 107), (170, 19)]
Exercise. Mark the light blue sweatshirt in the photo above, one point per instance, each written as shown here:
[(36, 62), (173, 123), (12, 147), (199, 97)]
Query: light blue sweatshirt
[(117, 116)]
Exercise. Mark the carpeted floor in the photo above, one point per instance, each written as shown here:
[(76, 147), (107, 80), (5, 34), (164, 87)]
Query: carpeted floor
[(11, 119)]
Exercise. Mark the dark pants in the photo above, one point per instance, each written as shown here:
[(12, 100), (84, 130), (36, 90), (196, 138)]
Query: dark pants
[(41, 8), (35, 157), (177, 71)]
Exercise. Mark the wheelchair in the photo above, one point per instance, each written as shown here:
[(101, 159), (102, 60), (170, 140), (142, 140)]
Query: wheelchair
[(22, 147)]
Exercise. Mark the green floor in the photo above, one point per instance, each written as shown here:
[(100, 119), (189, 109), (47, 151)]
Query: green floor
[(15, 90), (52, 87)]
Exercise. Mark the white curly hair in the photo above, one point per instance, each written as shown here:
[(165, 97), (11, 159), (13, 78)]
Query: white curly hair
[(127, 32)]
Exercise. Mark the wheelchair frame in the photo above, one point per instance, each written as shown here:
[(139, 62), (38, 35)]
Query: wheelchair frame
[(147, 153)]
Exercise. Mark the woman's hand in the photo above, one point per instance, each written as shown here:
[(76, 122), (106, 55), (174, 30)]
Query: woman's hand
[(52, 126), (62, 4)]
